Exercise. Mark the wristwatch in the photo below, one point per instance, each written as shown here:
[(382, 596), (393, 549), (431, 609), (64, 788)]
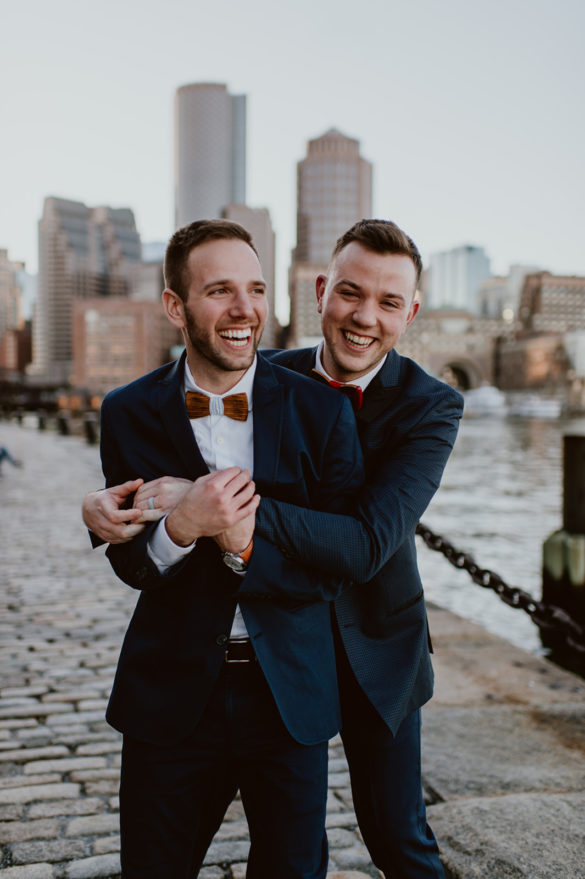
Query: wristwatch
[(238, 561)]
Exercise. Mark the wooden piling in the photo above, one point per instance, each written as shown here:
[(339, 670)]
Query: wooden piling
[(563, 553)]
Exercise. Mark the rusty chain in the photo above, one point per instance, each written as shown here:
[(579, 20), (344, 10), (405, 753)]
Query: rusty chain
[(545, 616)]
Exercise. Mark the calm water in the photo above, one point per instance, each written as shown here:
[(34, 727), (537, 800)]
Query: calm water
[(500, 498)]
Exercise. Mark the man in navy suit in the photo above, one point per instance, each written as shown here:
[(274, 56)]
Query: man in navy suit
[(227, 676), (407, 423)]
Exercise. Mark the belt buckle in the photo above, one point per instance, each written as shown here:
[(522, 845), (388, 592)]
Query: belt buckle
[(246, 644)]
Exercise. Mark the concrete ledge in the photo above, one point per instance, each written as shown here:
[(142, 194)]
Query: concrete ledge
[(503, 758)]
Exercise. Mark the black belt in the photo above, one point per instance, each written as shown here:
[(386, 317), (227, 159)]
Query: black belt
[(240, 651)]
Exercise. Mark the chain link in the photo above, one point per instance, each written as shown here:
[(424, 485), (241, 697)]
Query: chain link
[(546, 616)]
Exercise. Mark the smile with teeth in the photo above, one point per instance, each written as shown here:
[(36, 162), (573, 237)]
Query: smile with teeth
[(237, 338), (357, 341)]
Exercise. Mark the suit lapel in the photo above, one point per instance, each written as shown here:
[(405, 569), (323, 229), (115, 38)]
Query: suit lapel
[(267, 408), (171, 405), (381, 391)]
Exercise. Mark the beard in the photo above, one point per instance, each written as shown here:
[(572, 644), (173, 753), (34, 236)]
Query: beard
[(204, 345)]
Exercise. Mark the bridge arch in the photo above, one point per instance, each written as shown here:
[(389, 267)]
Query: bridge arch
[(463, 373)]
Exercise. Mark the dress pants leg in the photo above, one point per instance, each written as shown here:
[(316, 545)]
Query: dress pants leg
[(241, 741), (385, 772)]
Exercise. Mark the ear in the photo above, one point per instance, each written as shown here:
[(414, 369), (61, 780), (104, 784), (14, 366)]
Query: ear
[(320, 285), (174, 308), (413, 311)]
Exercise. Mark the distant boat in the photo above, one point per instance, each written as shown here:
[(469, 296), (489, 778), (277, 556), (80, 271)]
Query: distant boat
[(485, 400), (534, 406)]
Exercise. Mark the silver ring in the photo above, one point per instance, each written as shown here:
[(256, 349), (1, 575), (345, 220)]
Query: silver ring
[(151, 503)]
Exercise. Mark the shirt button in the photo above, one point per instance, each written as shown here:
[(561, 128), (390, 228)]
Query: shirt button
[(221, 640), (219, 440)]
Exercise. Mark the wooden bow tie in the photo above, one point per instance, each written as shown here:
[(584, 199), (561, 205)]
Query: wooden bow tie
[(199, 405), (354, 392)]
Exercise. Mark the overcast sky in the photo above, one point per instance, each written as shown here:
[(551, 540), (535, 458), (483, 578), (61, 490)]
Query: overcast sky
[(472, 112)]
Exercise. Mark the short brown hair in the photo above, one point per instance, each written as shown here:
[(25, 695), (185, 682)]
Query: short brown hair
[(381, 236), (185, 239)]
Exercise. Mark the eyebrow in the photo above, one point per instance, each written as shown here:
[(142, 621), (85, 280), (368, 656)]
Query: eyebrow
[(345, 282), (228, 281)]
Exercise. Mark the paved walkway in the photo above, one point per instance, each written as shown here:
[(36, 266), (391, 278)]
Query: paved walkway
[(63, 614), (503, 739)]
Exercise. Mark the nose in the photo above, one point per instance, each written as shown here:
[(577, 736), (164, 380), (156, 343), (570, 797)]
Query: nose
[(241, 304), (364, 314)]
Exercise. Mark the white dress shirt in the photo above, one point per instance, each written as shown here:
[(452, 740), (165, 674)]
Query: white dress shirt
[(223, 442)]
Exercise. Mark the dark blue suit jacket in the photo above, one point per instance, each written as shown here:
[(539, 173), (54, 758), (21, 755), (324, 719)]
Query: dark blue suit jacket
[(306, 451), (407, 427)]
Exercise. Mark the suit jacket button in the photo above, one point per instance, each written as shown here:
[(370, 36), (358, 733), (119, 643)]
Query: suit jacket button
[(221, 640)]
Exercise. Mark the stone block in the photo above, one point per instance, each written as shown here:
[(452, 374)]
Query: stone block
[(31, 871), (351, 874), (67, 764), (24, 755), (464, 752), (19, 780), (92, 825), (222, 852), (355, 857), (341, 837), (47, 850), (103, 774), (541, 836), (39, 792), (12, 812), (18, 831), (101, 788), (93, 749), (81, 806), (106, 844), (94, 867)]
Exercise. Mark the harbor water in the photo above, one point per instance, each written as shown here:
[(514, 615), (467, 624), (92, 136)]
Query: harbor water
[(500, 498)]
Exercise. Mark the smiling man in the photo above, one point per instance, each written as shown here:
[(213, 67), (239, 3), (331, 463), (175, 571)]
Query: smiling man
[(226, 677)]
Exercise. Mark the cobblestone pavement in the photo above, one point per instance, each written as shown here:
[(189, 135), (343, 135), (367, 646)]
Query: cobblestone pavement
[(62, 617)]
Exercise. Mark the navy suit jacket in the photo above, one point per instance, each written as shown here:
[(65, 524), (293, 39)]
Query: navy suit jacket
[(407, 427), (306, 451)]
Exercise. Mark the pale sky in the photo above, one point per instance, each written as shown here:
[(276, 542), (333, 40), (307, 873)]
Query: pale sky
[(472, 112)]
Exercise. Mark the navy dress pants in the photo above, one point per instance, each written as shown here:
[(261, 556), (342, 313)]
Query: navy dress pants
[(167, 792), (385, 772)]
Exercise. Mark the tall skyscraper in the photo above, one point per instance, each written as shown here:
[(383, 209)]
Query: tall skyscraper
[(334, 190), (14, 334), (83, 252), (210, 151), (257, 222), (10, 293), (455, 278)]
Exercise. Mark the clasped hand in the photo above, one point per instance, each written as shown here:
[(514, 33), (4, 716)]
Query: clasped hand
[(221, 505)]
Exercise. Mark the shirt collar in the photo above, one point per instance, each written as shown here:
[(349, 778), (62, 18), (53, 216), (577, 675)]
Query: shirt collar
[(244, 386), (362, 382)]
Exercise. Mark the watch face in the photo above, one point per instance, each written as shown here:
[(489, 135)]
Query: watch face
[(235, 562)]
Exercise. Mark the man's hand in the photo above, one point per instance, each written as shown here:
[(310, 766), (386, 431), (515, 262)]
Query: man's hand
[(166, 492), (238, 537), (102, 514), (213, 504)]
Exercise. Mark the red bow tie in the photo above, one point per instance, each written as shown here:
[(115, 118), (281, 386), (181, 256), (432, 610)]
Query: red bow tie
[(354, 392), (235, 406)]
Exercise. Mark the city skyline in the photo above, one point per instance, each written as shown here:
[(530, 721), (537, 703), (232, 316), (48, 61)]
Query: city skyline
[(471, 116)]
